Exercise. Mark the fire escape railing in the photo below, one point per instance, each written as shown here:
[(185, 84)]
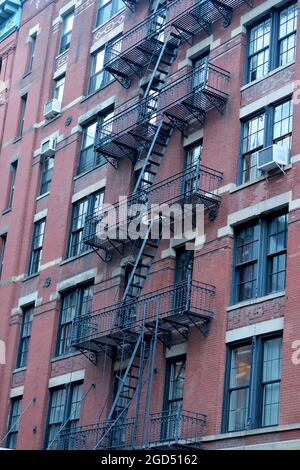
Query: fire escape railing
[(141, 45), (197, 184), (189, 17), (163, 429), (186, 303), (190, 96), (137, 48)]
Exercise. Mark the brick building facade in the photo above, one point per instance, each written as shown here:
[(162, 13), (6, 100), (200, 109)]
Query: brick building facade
[(119, 345)]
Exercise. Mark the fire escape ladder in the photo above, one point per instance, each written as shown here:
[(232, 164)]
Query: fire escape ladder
[(164, 62), (129, 385), (154, 156), (141, 266)]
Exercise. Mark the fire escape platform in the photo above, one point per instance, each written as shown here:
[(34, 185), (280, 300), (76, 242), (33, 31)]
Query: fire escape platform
[(195, 93), (177, 308), (137, 57), (196, 185), (200, 16), (129, 134), (162, 430)]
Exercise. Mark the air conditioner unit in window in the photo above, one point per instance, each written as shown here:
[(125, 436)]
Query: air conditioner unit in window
[(52, 108), (272, 157), (48, 148)]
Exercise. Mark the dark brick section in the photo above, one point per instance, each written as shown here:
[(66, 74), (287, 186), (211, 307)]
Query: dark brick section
[(259, 312)]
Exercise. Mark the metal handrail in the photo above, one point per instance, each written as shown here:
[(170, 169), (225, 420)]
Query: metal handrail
[(213, 78), (184, 427), (132, 38), (188, 297), (188, 186)]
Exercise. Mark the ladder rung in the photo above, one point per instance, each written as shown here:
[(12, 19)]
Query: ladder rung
[(162, 71), (154, 245), (160, 154), (136, 285), (149, 255)]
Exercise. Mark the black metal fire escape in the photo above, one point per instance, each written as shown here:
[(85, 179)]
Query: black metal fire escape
[(141, 132)]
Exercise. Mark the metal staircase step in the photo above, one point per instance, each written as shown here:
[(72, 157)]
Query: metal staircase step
[(138, 286)]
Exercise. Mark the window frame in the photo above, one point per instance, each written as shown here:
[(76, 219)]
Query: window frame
[(99, 160), (68, 388), (25, 336), (268, 138), (274, 46), (13, 435), (3, 242), (90, 199), (32, 50), (22, 115), (65, 47), (263, 222), (78, 292), (46, 176), (55, 87), (39, 249), (255, 405), (12, 183), (114, 11), (108, 78)]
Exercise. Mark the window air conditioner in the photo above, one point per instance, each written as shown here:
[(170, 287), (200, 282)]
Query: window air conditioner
[(48, 148), (273, 156), (52, 109)]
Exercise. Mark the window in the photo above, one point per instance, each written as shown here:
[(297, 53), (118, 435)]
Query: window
[(99, 76), (184, 264), (200, 67), (87, 206), (257, 134), (106, 9), (259, 50), (174, 387), (75, 303), (67, 26), (22, 115), (192, 162), (88, 157), (183, 276), (13, 174), (46, 176), (37, 247), (252, 384), (32, 46), (3, 239), (58, 91), (287, 34), (25, 337), (194, 154), (260, 257), (14, 423), (64, 410), (272, 42)]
